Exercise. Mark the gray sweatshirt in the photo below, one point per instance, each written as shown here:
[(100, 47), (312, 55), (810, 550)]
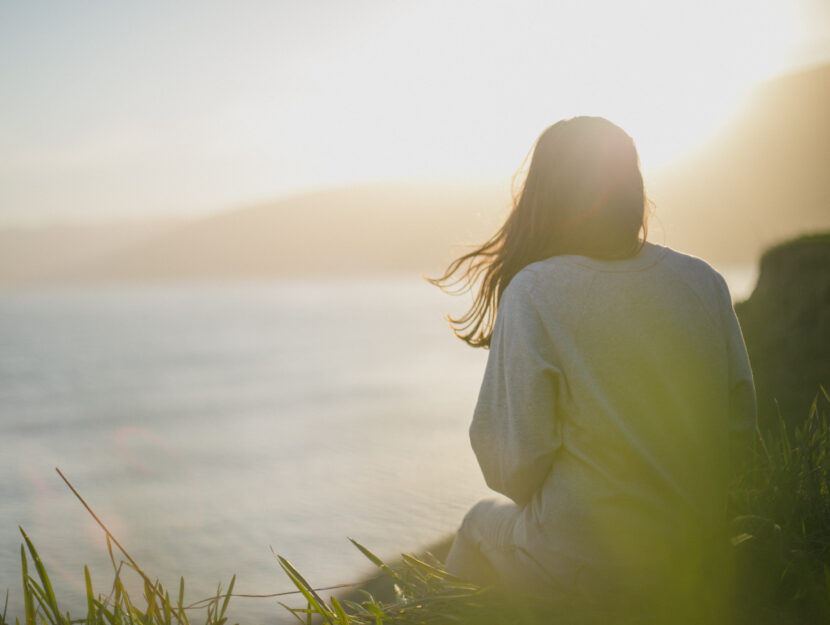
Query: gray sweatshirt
[(611, 393)]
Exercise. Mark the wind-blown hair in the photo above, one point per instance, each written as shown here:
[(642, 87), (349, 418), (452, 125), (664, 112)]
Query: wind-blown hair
[(582, 194)]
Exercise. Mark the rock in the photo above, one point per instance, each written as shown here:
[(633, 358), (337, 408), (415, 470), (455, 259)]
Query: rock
[(786, 325)]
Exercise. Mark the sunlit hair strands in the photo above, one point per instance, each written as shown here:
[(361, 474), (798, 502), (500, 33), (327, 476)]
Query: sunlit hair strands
[(582, 194)]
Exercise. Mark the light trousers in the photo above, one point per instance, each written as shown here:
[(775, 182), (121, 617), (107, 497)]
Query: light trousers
[(485, 552)]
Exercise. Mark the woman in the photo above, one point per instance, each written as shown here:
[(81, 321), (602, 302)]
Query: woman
[(616, 379)]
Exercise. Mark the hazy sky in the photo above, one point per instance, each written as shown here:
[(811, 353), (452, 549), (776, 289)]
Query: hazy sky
[(151, 108)]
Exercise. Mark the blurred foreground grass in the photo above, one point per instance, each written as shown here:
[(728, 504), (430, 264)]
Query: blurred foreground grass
[(779, 554)]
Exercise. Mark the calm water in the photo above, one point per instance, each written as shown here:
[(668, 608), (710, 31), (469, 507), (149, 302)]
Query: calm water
[(207, 423)]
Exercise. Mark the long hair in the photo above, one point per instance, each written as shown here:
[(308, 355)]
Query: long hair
[(582, 194)]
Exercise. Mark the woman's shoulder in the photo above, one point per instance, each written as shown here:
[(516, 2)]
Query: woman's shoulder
[(536, 278), (687, 260), (699, 277), (542, 285), (695, 269), (522, 287), (656, 263)]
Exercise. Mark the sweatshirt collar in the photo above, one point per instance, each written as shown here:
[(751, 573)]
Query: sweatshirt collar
[(649, 255)]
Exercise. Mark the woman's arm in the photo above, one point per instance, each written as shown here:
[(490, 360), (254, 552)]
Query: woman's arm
[(742, 403), (512, 432)]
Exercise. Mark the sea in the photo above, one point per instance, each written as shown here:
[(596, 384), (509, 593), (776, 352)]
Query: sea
[(213, 426)]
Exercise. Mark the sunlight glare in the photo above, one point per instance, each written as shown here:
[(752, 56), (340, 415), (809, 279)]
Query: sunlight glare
[(669, 73)]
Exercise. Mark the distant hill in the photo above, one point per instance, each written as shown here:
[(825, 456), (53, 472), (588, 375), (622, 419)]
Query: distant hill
[(766, 178), (382, 228), (34, 254)]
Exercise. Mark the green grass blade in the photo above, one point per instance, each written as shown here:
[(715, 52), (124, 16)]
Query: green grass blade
[(117, 608), (129, 612), (150, 596), (227, 597), (180, 613), (42, 603), (28, 602), (420, 564), (342, 617), (122, 602), (305, 588), (293, 612), (377, 612), (90, 598), (106, 615), (356, 607), (167, 609), (49, 600), (381, 565)]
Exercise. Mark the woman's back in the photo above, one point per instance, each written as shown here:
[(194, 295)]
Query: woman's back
[(605, 411)]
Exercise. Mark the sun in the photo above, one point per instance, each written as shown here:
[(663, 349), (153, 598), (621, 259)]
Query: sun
[(670, 73)]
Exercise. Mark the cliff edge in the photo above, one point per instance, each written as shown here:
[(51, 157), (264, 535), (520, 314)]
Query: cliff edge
[(786, 325)]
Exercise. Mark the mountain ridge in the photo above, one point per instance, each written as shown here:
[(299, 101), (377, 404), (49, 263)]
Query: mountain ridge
[(762, 180)]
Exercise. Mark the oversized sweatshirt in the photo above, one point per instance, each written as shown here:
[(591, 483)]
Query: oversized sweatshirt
[(611, 393)]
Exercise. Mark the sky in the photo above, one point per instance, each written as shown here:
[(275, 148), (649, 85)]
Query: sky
[(114, 111)]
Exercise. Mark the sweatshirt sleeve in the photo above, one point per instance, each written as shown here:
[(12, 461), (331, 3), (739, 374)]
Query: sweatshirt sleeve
[(513, 433), (742, 402)]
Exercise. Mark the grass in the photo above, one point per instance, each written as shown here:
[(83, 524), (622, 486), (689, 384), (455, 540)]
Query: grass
[(781, 522), (780, 550)]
